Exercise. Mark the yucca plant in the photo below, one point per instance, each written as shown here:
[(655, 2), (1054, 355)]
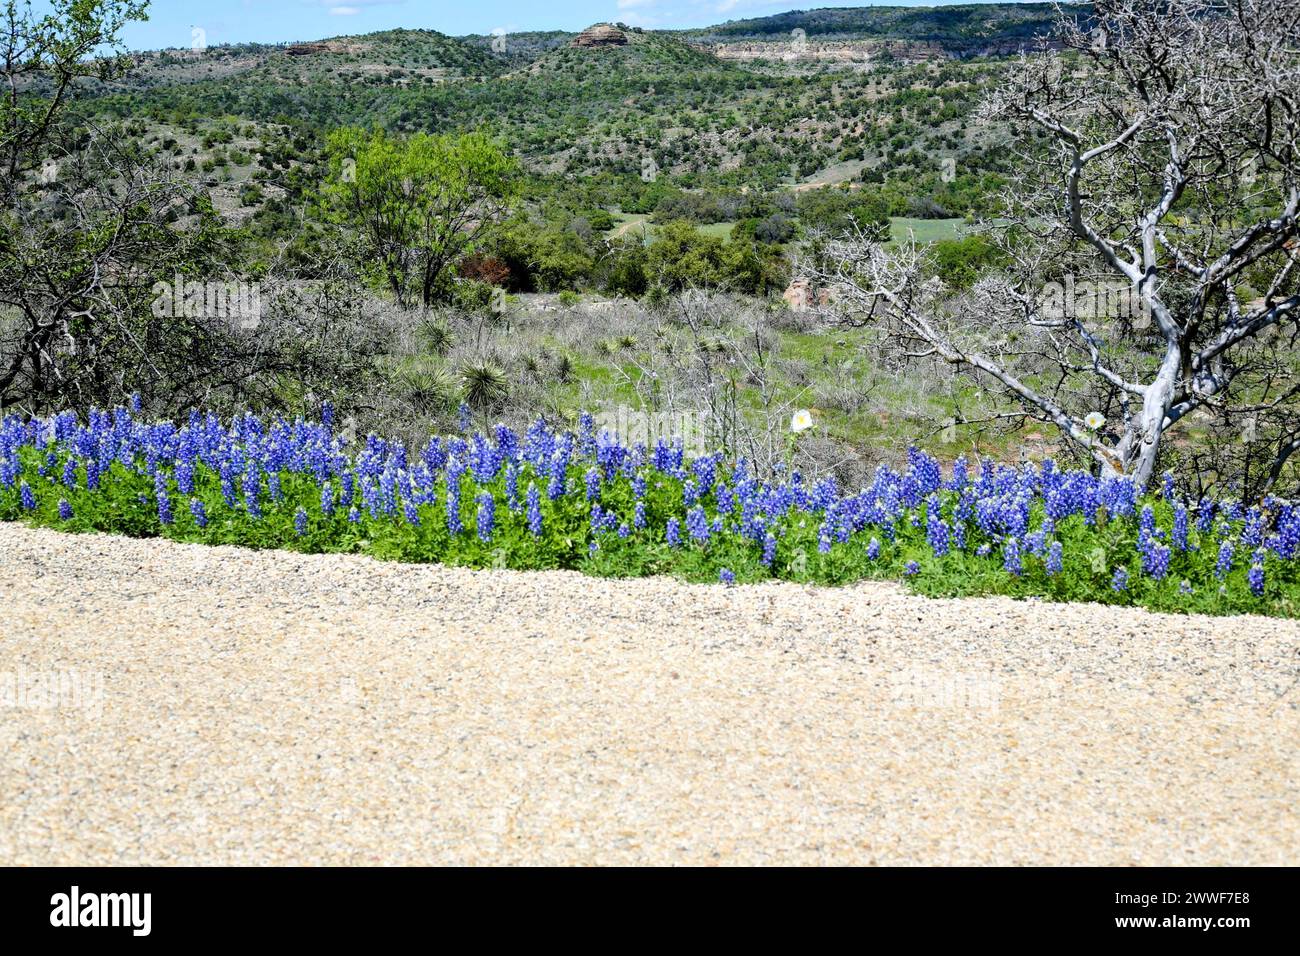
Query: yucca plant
[(431, 389), (434, 336), (485, 384)]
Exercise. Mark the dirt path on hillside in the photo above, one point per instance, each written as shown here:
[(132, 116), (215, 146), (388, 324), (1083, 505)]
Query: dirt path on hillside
[(219, 706)]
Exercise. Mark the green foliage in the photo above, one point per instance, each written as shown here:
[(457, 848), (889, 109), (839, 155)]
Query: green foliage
[(421, 203), (961, 261), (681, 257), (837, 211)]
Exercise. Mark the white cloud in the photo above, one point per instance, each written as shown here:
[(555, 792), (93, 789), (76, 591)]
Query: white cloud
[(351, 8)]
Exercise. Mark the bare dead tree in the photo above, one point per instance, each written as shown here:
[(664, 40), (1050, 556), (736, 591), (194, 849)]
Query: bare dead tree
[(120, 278), (1159, 147), (43, 56)]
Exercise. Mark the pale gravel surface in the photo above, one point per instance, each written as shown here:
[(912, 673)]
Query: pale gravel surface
[(277, 708)]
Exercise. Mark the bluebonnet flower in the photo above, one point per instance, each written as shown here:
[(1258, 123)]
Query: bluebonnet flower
[(674, 532), (1119, 582), (486, 516), (873, 549), (1255, 578), (26, 497), (300, 522), (593, 484), (937, 533), (199, 512), (455, 469), (1180, 528), (253, 492), (1204, 515), (1287, 544), (163, 498), (638, 515), (354, 516), (463, 421), (1185, 587), (727, 576), (1253, 533), (911, 569), (65, 510), (1155, 560), (1055, 558), (411, 513), (1146, 527), (769, 549), (697, 525), (1224, 564), (690, 493), (1011, 557), (534, 510)]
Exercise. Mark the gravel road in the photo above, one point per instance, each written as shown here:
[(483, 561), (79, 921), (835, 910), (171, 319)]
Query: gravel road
[(178, 704)]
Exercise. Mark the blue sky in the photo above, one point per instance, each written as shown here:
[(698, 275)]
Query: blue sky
[(270, 21)]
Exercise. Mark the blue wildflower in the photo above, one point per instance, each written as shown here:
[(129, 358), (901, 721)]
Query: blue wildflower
[(163, 498), (1011, 557), (697, 525), (1155, 560), (1224, 564), (1255, 578), (937, 533), (534, 510), (1055, 558), (486, 516), (674, 532)]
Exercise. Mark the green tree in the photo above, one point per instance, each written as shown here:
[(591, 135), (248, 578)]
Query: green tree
[(420, 204), (682, 257), (42, 60)]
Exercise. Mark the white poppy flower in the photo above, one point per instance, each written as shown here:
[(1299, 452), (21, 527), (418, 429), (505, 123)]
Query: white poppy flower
[(1095, 420), (802, 421)]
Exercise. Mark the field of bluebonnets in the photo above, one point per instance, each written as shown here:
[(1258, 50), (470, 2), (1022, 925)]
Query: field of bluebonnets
[(557, 499)]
